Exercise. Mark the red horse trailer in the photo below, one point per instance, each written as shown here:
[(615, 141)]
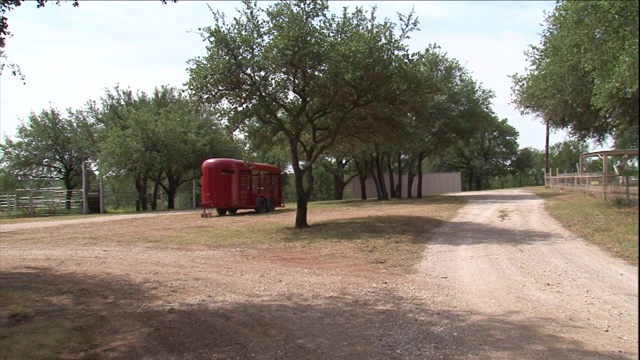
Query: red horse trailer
[(231, 184)]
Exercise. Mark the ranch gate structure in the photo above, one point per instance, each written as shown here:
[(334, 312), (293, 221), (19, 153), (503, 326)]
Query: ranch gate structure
[(619, 185)]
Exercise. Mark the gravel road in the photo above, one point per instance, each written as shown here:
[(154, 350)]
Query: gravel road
[(537, 290)]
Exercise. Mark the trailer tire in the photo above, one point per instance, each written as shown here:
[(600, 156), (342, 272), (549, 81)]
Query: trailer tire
[(271, 204), (221, 212), (233, 211), (261, 205)]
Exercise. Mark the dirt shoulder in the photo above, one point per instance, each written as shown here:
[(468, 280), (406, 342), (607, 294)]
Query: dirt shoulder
[(501, 280)]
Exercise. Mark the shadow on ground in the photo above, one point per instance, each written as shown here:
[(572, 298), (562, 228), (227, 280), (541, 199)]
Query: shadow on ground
[(418, 230), (126, 320)]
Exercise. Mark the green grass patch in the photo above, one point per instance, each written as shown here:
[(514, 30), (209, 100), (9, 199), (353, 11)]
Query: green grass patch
[(611, 227)]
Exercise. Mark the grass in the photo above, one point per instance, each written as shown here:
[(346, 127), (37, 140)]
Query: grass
[(225, 236), (611, 227), (504, 215), (391, 232), (26, 335)]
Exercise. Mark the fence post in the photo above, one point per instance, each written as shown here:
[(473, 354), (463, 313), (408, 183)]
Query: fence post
[(101, 190), (8, 202), (194, 194), (85, 206), (626, 180), (30, 202)]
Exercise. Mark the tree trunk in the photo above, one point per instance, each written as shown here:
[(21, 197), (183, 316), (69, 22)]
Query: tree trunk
[(154, 200), (384, 195), (303, 195), (392, 185), (338, 187), (141, 188), (399, 192), (171, 197), (410, 175), (68, 198), (362, 178), (420, 158), (376, 183), (301, 213), (302, 201), (69, 194)]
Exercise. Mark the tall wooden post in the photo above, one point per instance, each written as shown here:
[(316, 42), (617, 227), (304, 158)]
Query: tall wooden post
[(546, 149), (101, 185), (85, 185)]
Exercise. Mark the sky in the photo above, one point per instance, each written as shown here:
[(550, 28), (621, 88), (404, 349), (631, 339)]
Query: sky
[(71, 55)]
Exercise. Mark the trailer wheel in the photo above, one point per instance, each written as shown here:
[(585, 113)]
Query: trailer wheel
[(233, 211), (221, 212), (271, 204), (261, 205)]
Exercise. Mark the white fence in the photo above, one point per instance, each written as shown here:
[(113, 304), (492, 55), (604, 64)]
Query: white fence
[(41, 202)]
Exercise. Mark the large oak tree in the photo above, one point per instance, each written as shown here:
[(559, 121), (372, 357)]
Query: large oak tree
[(293, 69)]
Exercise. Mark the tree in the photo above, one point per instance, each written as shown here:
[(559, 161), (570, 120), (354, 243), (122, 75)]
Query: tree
[(443, 103), (51, 146), (185, 135), (164, 138), (528, 167), (583, 76), (293, 70), (484, 154), (565, 155)]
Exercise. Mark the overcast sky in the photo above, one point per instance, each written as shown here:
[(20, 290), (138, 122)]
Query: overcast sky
[(70, 55)]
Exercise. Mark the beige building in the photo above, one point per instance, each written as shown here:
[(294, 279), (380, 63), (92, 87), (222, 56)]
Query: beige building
[(432, 184)]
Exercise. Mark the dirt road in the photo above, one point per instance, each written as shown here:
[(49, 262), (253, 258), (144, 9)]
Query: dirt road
[(500, 281), (526, 286)]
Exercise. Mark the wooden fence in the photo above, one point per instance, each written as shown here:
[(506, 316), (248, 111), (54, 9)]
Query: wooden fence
[(620, 189), (57, 201), (40, 202)]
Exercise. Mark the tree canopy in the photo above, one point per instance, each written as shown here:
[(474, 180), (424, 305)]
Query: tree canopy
[(295, 70), (52, 146), (583, 76)]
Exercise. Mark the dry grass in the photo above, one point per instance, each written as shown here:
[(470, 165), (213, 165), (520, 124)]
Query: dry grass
[(611, 227), (367, 234), (26, 334)]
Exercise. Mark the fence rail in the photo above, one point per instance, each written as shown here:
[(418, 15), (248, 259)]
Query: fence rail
[(43, 201), (58, 201), (620, 189)]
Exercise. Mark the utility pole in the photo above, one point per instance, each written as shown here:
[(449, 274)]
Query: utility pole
[(546, 150)]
